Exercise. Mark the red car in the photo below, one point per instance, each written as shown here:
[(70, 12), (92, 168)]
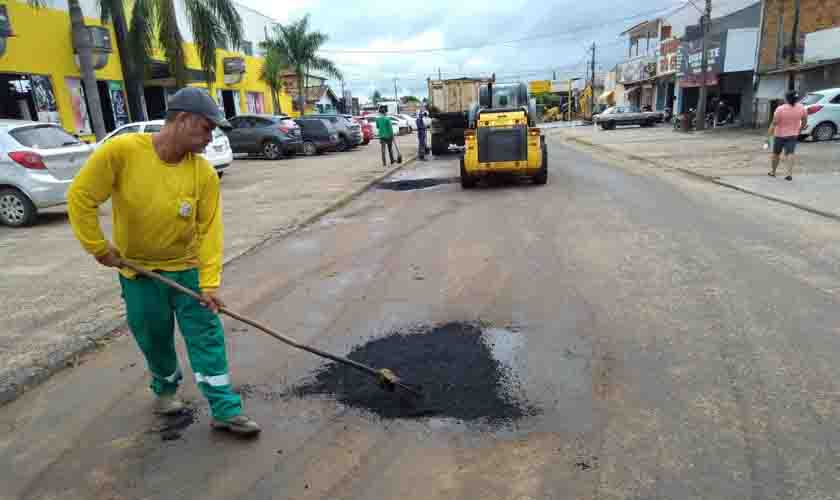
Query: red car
[(367, 129)]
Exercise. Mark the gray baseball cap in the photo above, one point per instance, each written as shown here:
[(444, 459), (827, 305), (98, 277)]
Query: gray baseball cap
[(198, 101)]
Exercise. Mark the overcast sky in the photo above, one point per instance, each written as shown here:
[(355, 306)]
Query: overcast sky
[(557, 35)]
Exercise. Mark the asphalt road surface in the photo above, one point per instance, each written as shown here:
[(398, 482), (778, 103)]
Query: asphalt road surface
[(680, 341)]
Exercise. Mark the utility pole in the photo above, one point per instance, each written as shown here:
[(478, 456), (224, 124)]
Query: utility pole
[(794, 45), (705, 24), (440, 76), (592, 85), (343, 98), (395, 95)]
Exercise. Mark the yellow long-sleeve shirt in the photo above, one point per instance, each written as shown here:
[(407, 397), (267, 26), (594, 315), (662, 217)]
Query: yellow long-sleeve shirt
[(165, 216)]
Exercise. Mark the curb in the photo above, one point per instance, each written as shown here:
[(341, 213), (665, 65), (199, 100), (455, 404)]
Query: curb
[(707, 178), (16, 382)]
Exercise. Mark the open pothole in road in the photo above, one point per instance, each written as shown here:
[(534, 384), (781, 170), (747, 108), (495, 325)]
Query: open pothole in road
[(464, 370), (415, 184)]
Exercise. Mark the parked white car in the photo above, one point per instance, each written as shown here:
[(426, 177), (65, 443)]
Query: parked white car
[(38, 161), (218, 152), (412, 121), (401, 125), (823, 114)]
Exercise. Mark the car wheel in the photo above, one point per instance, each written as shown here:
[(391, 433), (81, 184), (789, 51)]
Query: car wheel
[(467, 181), (309, 148), (824, 132), (542, 176), (16, 209), (272, 149), (610, 125)]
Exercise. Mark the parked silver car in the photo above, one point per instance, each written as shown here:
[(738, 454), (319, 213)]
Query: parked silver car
[(38, 161)]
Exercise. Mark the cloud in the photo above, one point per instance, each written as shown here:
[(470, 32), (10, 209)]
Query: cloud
[(376, 25)]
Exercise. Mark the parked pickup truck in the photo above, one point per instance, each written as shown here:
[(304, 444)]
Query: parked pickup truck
[(627, 115)]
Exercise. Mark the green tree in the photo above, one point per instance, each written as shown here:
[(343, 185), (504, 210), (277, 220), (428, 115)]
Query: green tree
[(298, 47), (271, 72), (214, 24), (376, 97)]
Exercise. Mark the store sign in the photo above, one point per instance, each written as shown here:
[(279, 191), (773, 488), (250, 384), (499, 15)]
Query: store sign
[(539, 86), (5, 28), (822, 45), (44, 97), (118, 104), (234, 69), (691, 72), (81, 120), (667, 62), (641, 68)]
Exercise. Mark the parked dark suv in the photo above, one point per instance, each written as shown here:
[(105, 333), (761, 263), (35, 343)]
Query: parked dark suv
[(318, 135), (272, 136), (349, 133)]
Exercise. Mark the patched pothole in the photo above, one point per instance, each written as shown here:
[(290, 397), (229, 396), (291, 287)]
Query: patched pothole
[(466, 371), (414, 184)]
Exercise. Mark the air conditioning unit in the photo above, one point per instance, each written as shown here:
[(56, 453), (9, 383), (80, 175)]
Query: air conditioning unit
[(99, 39), (234, 69)]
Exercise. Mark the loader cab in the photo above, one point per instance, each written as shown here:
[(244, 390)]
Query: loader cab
[(502, 137)]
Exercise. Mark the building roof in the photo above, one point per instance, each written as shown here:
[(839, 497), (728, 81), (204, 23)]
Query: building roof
[(648, 25), (315, 93)]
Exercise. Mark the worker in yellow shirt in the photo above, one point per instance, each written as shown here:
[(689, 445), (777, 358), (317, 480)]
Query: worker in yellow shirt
[(166, 218)]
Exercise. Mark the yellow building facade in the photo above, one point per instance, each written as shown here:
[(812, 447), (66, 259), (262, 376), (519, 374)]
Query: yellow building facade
[(40, 79)]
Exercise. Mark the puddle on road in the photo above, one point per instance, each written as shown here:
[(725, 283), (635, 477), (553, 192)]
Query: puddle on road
[(466, 372), (414, 184)]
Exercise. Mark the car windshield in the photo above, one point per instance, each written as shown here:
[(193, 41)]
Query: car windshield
[(44, 137), (811, 99)]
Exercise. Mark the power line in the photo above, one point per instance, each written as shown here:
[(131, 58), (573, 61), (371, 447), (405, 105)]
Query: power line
[(564, 34)]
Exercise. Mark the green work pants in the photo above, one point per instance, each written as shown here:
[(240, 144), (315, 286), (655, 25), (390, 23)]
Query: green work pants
[(152, 309)]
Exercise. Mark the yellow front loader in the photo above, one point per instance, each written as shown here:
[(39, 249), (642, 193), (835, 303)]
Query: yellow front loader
[(502, 137)]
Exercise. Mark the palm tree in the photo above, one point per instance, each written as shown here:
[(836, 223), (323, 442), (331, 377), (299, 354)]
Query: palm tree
[(215, 24), (83, 45), (298, 47), (271, 74)]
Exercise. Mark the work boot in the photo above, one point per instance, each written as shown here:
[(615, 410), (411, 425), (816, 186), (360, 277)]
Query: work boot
[(240, 424), (168, 405)]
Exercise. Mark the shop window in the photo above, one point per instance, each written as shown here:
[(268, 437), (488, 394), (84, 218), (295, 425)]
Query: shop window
[(27, 97)]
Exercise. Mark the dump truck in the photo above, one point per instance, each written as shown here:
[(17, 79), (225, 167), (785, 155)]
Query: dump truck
[(449, 101), (502, 136)]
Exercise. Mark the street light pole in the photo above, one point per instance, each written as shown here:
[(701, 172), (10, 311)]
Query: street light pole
[(705, 23), (396, 98)]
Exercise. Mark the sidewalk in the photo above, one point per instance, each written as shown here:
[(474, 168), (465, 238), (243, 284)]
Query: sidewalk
[(730, 157), (58, 303)]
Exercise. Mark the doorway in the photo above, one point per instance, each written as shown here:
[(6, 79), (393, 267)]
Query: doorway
[(230, 101), (155, 102)]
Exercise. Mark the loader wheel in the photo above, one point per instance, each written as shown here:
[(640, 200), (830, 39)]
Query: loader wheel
[(438, 147), (467, 181), (542, 176)]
